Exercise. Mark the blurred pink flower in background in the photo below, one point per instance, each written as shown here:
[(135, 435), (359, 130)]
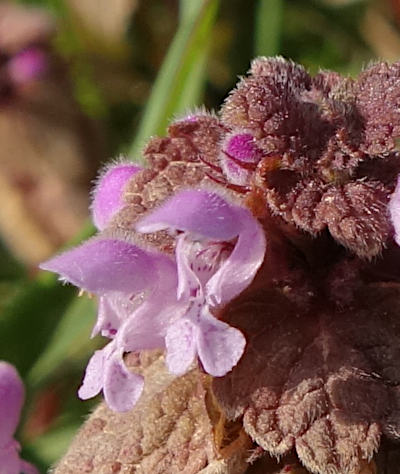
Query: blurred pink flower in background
[(11, 401)]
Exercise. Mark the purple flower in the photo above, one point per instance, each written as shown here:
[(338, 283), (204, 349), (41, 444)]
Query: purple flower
[(123, 276), (134, 297), (218, 254), (107, 195), (11, 401), (147, 300), (28, 65)]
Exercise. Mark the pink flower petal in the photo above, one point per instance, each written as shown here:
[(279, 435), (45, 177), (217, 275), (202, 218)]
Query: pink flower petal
[(108, 320), (219, 345), (122, 388), (10, 462), (103, 265), (107, 195), (28, 468), (239, 269), (209, 215), (113, 310), (181, 346), (234, 172), (146, 326), (200, 212), (188, 282), (93, 381), (11, 401), (394, 211)]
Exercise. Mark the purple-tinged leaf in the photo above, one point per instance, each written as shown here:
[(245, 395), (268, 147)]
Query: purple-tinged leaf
[(174, 428), (323, 381)]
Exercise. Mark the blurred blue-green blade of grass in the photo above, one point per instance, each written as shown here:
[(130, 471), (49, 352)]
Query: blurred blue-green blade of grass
[(12, 274), (268, 27), (29, 318), (70, 341), (178, 85), (10, 268)]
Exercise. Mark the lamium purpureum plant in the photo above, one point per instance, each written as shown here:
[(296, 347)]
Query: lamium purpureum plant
[(248, 283)]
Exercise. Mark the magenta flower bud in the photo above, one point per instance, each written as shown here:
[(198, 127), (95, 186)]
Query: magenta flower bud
[(243, 147), (27, 66), (107, 195), (239, 157)]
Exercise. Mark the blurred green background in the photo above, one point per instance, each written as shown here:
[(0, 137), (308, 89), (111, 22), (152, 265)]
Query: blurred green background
[(116, 73)]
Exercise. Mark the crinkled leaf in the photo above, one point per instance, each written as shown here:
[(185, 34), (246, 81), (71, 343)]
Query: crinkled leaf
[(169, 431), (324, 382)]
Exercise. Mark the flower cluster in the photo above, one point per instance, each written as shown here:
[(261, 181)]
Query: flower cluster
[(148, 299), (262, 243), (11, 400)]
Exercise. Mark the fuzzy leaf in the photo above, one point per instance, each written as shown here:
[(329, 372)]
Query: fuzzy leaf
[(324, 382), (169, 431)]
